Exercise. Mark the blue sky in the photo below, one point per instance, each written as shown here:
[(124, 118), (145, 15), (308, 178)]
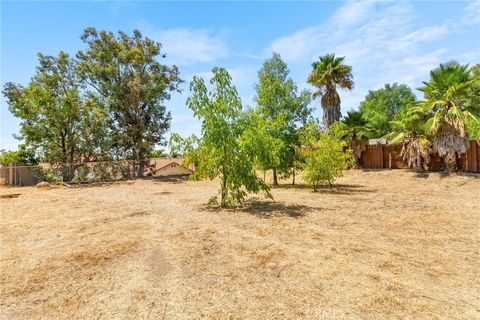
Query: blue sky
[(383, 41)]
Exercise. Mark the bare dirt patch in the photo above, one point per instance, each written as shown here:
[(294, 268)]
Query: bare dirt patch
[(379, 244)]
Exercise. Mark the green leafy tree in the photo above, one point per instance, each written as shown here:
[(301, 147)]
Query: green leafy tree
[(355, 130), (381, 106), (9, 157), (177, 145), (159, 153), (257, 139), (22, 155), (285, 109), (57, 121), (328, 74), (133, 85), (411, 132), (325, 156), (222, 151), (473, 102), (446, 100)]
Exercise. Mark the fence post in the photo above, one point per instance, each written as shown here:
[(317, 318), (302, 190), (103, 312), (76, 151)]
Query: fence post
[(10, 174), (466, 157)]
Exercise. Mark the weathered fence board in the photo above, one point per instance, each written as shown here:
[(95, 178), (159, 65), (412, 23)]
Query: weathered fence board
[(372, 157), (392, 158), (381, 156), (473, 157), (17, 175)]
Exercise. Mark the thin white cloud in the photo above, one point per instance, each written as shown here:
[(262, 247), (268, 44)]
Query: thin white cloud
[(471, 57), (118, 6), (426, 34), (351, 18), (297, 45), (383, 41), (472, 13), (352, 13), (188, 46), (242, 76)]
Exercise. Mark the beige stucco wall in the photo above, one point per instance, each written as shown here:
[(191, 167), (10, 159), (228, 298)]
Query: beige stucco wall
[(172, 169)]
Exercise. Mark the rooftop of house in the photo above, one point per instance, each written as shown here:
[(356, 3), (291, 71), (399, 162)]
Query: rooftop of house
[(163, 162)]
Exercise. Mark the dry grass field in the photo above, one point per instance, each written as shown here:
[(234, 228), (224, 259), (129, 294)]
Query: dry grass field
[(379, 245)]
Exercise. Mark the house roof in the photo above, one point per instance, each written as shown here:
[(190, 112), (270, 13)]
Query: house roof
[(161, 163), (377, 141)]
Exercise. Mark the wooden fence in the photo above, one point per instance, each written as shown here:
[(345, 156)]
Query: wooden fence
[(17, 175), (381, 156)]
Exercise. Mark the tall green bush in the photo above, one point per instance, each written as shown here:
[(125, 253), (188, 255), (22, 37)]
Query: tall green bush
[(326, 157)]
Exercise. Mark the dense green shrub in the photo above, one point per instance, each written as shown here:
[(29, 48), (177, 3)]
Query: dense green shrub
[(325, 158)]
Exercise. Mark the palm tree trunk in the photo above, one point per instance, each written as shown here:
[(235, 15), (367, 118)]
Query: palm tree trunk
[(450, 161), (328, 116), (331, 107), (356, 165)]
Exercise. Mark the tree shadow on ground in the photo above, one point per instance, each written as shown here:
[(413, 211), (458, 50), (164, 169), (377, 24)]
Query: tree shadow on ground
[(422, 174), (266, 209), (272, 209), (171, 179), (474, 175), (443, 174), (333, 189), (164, 179), (97, 184)]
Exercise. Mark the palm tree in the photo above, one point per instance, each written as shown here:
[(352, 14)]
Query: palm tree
[(444, 99), (355, 130), (328, 73), (410, 130)]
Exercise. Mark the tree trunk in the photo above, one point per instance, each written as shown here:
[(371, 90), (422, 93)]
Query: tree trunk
[(224, 181), (71, 165), (224, 190), (65, 165), (275, 178), (141, 168), (357, 162), (450, 162), (331, 107), (293, 174), (141, 163)]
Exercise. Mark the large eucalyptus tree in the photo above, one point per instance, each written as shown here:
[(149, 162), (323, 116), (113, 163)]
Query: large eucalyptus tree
[(129, 79)]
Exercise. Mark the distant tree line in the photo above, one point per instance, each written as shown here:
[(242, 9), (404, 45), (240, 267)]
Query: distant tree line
[(108, 103)]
